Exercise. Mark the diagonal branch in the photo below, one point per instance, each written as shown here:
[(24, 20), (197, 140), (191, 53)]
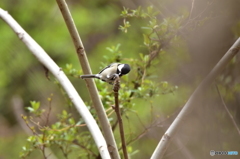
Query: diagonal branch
[(107, 131), (43, 57), (169, 134)]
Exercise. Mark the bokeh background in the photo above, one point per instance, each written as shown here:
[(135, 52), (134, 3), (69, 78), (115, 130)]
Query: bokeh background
[(208, 127)]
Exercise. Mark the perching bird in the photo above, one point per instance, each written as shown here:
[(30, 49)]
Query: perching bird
[(109, 73)]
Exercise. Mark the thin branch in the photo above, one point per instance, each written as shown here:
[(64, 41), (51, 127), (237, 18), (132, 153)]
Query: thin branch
[(43, 57), (182, 148), (43, 146), (179, 120), (49, 110), (153, 124), (225, 106), (103, 120), (191, 11), (85, 148), (199, 15), (116, 88), (139, 136), (66, 128), (63, 151)]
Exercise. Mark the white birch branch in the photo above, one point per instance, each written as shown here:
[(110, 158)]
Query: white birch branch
[(43, 57), (169, 134)]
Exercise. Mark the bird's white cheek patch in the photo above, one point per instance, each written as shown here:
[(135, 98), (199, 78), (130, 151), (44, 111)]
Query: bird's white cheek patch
[(120, 67)]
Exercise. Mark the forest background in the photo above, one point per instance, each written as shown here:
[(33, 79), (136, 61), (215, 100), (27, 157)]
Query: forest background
[(178, 70)]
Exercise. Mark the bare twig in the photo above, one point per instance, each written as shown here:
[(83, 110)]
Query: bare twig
[(85, 148), (146, 129), (63, 151), (49, 109), (225, 106), (44, 148), (116, 88), (139, 136), (191, 11), (190, 20), (103, 120), (181, 147), (169, 134), (68, 127)]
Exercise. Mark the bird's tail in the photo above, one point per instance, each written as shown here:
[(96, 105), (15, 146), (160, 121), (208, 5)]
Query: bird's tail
[(88, 76)]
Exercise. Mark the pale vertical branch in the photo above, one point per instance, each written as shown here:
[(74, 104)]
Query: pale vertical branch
[(191, 11), (169, 134), (106, 127), (43, 57)]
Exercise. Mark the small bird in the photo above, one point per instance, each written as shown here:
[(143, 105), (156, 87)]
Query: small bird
[(108, 74)]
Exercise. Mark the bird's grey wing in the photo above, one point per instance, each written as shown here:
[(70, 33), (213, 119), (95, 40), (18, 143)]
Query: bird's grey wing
[(104, 69)]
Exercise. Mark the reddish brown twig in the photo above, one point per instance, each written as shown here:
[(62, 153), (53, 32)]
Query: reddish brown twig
[(116, 88)]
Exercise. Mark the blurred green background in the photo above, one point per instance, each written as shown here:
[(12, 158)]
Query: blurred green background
[(207, 128)]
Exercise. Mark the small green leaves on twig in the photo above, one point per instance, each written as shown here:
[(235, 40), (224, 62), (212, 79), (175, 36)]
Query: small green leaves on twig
[(62, 134), (137, 13), (116, 54), (34, 108), (71, 71)]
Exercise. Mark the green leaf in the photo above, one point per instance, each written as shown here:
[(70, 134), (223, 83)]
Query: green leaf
[(129, 149), (71, 121), (150, 9), (24, 148), (30, 109), (148, 28), (146, 40), (164, 84), (69, 66), (31, 139), (124, 13), (35, 105)]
